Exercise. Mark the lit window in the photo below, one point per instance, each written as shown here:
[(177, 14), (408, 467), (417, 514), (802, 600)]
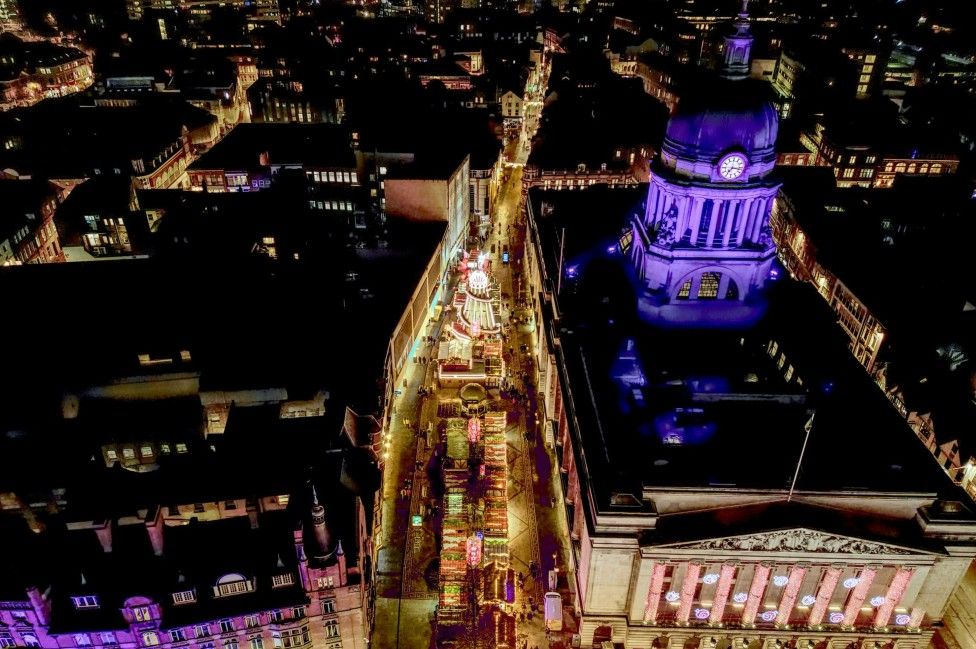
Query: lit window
[(226, 626), (251, 621), (82, 639), (201, 631), (112, 455), (177, 635), (332, 628), (326, 582), (181, 448), (282, 580), (184, 597), (108, 637), (255, 643), (708, 288), (128, 453), (30, 640), (149, 639), (849, 173), (142, 613), (685, 290), (146, 451), (85, 601)]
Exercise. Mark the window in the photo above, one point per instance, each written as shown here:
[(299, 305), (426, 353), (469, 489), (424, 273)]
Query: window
[(235, 587), (708, 289), (255, 643), (230, 643), (870, 159), (108, 637), (298, 612), (85, 601), (198, 509), (201, 631), (354, 177), (328, 606), (177, 635), (332, 628), (146, 451), (326, 582), (332, 177), (30, 640), (142, 613), (181, 448), (164, 448), (276, 616), (128, 453), (112, 455), (282, 580), (149, 639), (226, 626), (867, 173), (849, 173), (685, 290), (251, 621), (82, 639), (6, 640)]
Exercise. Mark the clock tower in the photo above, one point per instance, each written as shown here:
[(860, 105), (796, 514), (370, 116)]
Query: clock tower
[(702, 249)]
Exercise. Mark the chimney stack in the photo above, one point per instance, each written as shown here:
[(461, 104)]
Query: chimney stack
[(154, 526), (103, 531)]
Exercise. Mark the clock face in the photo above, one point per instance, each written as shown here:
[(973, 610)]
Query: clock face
[(732, 166)]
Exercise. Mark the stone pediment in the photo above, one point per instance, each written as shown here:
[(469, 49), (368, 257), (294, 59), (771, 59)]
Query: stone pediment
[(795, 540)]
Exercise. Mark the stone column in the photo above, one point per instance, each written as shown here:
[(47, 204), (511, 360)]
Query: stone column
[(747, 220), (695, 218), (790, 594), (717, 208), (756, 590), (650, 215), (723, 285), (856, 599), (827, 586), (760, 218), (734, 208), (722, 590), (688, 587), (654, 592), (895, 592), (915, 620)]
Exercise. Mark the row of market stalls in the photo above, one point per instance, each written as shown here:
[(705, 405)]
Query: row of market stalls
[(475, 577)]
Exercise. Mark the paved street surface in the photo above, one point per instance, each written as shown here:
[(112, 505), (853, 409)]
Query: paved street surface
[(408, 543)]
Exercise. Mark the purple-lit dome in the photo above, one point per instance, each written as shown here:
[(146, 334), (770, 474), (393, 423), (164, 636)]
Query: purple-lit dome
[(716, 118)]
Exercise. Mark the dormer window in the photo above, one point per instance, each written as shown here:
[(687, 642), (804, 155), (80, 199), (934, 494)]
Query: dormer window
[(185, 597), (286, 579), (232, 584), (141, 613), (85, 601)]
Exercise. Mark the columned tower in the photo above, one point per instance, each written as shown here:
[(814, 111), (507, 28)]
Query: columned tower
[(703, 249)]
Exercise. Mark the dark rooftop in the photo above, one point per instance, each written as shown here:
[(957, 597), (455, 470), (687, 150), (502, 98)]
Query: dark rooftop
[(709, 408), (325, 145)]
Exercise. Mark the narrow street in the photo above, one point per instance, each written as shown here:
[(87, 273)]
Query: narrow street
[(408, 542)]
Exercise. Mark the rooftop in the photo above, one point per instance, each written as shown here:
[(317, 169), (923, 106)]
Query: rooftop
[(249, 146), (673, 408)]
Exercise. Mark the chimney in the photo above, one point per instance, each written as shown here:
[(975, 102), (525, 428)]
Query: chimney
[(40, 604), (154, 526), (103, 531)]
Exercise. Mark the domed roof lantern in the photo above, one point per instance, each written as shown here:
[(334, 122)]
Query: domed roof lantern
[(737, 47)]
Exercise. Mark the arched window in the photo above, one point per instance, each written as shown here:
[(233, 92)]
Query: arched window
[(685, 291)]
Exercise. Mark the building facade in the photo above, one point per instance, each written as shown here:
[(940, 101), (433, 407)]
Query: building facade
[(678, 538)]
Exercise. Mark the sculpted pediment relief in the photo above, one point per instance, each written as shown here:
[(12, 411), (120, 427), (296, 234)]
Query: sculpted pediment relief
[(795, 540)]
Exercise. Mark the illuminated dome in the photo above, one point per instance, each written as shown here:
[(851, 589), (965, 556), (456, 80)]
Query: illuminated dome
[(717, 118)]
